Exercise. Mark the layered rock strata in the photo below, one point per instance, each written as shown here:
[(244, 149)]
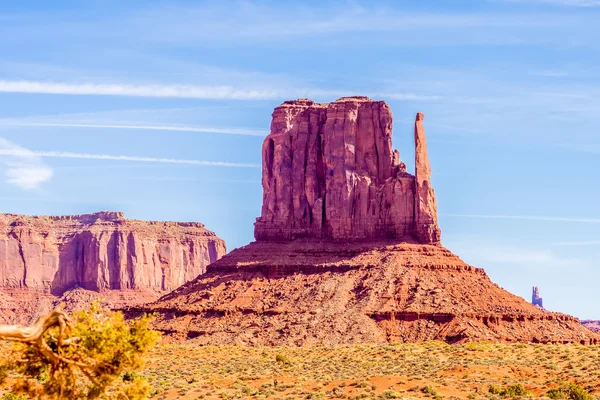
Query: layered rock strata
[(348, 251), (329, 171), (41, 258), (308, 292)]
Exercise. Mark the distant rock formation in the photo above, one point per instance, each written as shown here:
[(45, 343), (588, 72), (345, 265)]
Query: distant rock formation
[(329, 171), (44, 257), (348, 251), (536, 300), (591, 324)]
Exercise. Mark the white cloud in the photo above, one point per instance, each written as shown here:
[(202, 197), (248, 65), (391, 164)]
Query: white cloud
[(183, 179), (22, 167), (224, 131), (527, 218), (250, 21), (107, 89), (185, 91), (21, 152)]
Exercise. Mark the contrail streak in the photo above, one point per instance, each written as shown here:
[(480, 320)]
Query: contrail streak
[(107, 89), (65, 154), (223, 131)]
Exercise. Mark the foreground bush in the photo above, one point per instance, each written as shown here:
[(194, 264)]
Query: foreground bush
[(509, 391), (92, 355), (569, 391)]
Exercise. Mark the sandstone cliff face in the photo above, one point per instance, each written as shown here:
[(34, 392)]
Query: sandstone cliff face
[(100, 252), (329, 171)]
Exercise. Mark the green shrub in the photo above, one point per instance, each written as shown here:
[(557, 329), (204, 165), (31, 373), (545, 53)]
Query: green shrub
[(570, 391), (390, 394), (12, 396), (94, 357), (514, 390), (495, 389), (280, 358), (429, 390), (509, 391)]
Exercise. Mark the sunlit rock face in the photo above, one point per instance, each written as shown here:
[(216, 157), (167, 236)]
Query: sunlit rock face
[(329, 171), (44, 257)]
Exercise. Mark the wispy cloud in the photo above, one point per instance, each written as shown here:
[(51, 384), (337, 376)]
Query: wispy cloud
[(184, 179), (184, 91), (255, 21), (106, 89), (21, 152), (21, 167), (580, 243), (225, 131), (527, 218)]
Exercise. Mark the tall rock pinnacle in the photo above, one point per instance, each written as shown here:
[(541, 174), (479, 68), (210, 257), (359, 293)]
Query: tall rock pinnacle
[(426, 227), (536, 300), (329, 171)]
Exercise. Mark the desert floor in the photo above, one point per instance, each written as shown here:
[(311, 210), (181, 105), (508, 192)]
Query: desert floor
[(426, 370)]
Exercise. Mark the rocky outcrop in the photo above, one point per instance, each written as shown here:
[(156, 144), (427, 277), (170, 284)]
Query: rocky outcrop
[(329, 171), (536, 300), (44, 257), (310, 292), (347, 251)]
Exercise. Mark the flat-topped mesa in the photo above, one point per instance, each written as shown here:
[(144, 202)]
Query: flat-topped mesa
[(101, 252), (329, 171)]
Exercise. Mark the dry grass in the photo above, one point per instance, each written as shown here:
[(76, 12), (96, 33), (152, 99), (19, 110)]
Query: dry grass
[(426, 370)]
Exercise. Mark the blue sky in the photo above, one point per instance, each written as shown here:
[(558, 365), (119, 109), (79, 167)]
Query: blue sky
[(159, 109)]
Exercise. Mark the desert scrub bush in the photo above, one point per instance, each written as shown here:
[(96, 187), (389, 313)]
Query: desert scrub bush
[(430, 390), (514, 390), (361, 384), (390, 394), (90, 355), (12, 396), (477, 346), (509, 391), (493, 389), (280, 358), (570, 391)]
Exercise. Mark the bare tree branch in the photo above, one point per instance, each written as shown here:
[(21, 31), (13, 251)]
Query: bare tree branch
[(31, 334)]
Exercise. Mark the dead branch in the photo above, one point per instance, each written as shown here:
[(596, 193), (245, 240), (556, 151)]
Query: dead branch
[(32, 334)]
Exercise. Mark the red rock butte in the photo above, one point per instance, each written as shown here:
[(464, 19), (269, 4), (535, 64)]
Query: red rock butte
[(348, 251), (329, 171)]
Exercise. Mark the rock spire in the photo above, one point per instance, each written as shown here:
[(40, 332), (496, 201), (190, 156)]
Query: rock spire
[(536, 300)]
